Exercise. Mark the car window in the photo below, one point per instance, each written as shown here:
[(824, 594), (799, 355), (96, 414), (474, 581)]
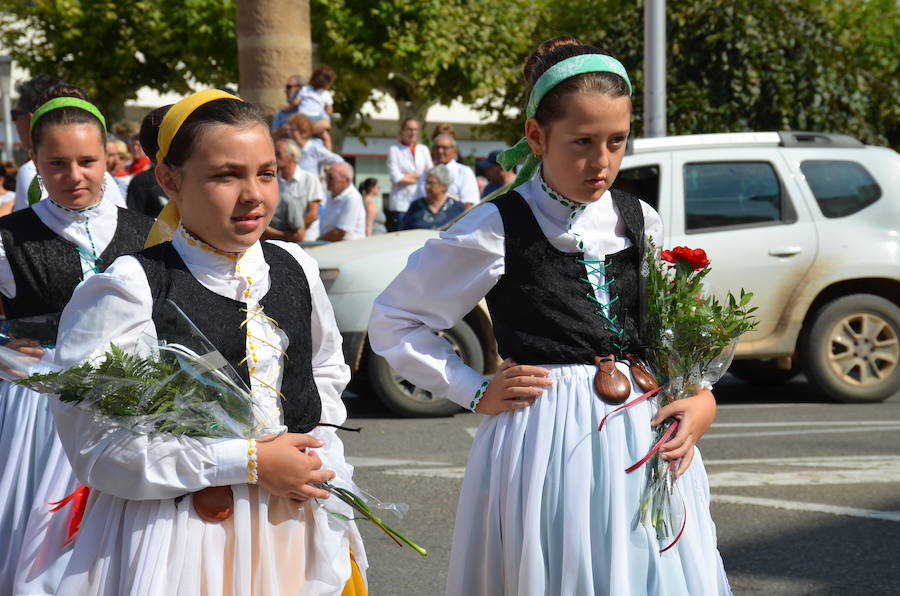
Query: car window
[(841, 188), (727, 194), (641, 181)]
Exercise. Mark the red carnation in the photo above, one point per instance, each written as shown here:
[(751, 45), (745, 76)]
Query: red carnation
[(695, 257)]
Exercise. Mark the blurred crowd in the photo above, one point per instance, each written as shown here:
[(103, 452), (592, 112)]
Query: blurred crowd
[(318, 195)]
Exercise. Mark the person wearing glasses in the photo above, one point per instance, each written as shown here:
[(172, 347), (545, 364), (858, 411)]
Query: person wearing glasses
[(462, 179), (292, 94), (29, 189), (406, 161)]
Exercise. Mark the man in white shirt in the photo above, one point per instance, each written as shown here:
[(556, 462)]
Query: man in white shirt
[(299, 196), (344, 216), (406, 161), (462, 178)]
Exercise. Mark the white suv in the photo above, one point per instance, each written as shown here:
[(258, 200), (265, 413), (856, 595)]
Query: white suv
[(809, 222)]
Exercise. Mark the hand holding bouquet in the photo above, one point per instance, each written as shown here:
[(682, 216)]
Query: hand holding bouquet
[(180, 387), (690, 339)]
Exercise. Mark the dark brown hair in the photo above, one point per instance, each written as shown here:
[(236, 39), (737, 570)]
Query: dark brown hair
[(322, 78), (228, 111), (303, 124), (443, 129), (556, 50), (61, 116)]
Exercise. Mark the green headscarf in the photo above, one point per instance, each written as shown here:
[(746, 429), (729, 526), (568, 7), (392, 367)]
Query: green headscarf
[(554, 75)]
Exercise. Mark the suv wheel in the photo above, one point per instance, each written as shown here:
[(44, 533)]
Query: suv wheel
[(406, 399), (852, 349), (762, 372)]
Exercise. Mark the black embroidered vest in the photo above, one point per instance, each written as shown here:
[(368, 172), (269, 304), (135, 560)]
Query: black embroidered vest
[(220, 319), (46, 267), (541, 307)]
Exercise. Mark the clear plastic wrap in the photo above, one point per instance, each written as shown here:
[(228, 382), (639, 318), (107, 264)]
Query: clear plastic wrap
[(177, 384)]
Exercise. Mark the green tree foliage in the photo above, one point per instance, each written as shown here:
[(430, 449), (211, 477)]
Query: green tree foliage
[(420, 53), (748, 66), (113, 48)]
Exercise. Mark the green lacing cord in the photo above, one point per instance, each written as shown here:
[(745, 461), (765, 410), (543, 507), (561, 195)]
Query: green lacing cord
[(594, 266)]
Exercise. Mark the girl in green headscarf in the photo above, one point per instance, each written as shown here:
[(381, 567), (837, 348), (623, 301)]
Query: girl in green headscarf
[(546, 505)]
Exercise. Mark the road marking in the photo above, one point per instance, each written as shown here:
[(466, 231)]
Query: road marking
[(822, 431), (379, 462), (893, 516), (852, 461), (733, 479), (454, 473), (755, 406), (875, 469), (472, 430)]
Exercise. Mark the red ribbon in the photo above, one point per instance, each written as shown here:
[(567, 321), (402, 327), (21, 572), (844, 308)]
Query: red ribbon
[(680, 532), (656, 447), (636, 400), (78, 498)]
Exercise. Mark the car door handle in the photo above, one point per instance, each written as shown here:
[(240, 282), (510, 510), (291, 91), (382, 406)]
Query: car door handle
[(785, 251)]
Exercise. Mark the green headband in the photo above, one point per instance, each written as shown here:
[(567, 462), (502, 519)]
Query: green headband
[(554, 75), (67, 102)]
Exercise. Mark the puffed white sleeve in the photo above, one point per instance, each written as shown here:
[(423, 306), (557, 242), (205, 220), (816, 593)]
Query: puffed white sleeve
[(442, 282), (653, 225), (330, 373), (116, 307)]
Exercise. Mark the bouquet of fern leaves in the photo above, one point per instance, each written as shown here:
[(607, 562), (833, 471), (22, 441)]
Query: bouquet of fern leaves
[(183, 387)]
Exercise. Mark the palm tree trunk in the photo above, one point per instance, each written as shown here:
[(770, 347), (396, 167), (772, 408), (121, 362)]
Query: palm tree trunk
[(273, 44)]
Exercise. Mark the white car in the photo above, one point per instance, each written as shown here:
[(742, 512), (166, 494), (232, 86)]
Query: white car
[(809, 222)]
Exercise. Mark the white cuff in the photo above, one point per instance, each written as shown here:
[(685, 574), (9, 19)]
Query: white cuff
[(231, 462)]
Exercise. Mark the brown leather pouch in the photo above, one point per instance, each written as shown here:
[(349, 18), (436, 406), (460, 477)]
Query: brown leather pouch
[(214, 503), (642, 377), (610, 383)]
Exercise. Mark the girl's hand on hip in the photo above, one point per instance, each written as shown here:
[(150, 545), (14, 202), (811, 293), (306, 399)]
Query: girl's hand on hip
[(695, 415), (287, 468), (513, 386)]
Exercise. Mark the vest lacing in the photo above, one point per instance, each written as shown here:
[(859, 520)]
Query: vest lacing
[(594, 266)]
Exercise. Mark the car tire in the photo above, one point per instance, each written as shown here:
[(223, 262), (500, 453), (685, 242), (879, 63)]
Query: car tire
[(404, 398), (851, 351), (762, 372)]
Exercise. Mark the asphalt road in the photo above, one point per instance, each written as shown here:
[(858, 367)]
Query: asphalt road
[(805, 492)]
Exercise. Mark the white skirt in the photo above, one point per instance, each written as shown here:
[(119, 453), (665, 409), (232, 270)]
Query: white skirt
[(270, 546), (34, 471), (546, 507)]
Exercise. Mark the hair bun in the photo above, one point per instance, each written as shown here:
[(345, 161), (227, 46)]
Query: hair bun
[(149, 135), (538, 62), (62, 90)]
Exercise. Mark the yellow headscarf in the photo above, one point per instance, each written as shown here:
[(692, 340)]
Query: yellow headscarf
[(169, 219)]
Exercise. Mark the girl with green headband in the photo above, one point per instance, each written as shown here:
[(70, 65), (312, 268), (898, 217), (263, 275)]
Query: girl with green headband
[(46, 250), (546, 506)]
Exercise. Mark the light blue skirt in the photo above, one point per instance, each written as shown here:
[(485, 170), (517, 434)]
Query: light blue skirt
[(546, 507)]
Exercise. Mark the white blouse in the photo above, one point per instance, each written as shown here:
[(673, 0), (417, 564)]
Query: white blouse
[(446, 278), (116, 306), (90, 229), (401, 161)]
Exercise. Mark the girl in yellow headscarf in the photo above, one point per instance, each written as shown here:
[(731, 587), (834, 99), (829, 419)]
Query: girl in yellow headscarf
[(183, 515)]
